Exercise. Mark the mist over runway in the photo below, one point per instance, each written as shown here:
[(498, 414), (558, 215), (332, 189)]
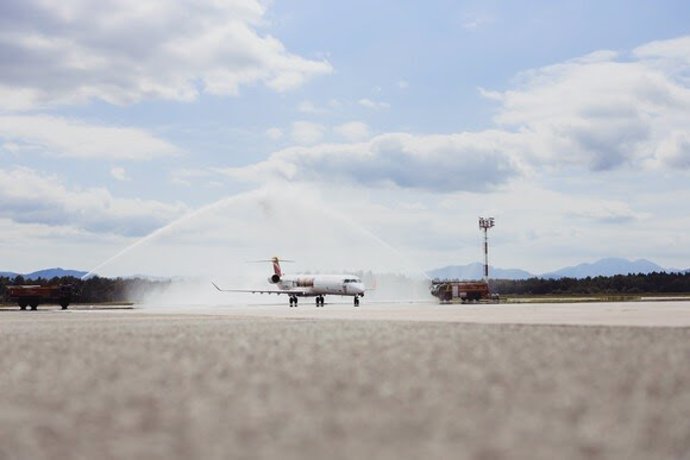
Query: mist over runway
[(642, 314), (384, 381)]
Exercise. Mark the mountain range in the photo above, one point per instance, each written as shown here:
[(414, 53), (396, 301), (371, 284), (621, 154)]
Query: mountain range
[(46, 274), (475, 271), (603, 267)]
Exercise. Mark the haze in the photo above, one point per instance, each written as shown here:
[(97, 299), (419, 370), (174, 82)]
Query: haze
[(371, 135)]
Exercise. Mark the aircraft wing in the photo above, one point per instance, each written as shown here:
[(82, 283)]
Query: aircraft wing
[(296, 292)]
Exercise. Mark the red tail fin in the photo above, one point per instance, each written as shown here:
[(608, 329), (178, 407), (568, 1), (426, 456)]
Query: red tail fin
[(276, 266)]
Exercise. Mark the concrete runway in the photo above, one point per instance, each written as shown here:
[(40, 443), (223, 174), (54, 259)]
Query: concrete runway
[(381, 381), (645, 314)]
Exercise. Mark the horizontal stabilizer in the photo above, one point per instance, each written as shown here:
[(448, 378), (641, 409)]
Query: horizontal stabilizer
[(295, 292)]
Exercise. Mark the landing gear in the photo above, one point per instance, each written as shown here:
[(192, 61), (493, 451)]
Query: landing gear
[(356, 301), (293, 301), (319, 301)]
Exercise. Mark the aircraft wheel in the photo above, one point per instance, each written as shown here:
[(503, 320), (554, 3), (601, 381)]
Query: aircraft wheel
[(34, 305), (356, 301)]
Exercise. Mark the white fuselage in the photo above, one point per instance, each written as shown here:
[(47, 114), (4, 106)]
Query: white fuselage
[(349, 285)]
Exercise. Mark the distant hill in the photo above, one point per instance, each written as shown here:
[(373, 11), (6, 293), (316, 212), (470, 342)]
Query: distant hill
[(46, 274), (606, 267), (475, 271), (53, 272), (603, 267)]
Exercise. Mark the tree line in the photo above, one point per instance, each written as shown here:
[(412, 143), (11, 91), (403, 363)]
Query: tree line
[(104, 290), (640, 283), (92, 290)]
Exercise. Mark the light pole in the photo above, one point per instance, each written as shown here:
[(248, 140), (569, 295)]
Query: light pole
[(485, 224)]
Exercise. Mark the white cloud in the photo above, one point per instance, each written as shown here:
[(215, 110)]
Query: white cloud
[(309, 107), (353, 131), (663, 51), (674, 150), (335, 104), (604, 111), (274, 133), (72, 138), (27, 196), (119, 173), (126, 51), (442, 163), (374, 105), (608, 212), (599, 112), (27, 247), (305, 132)]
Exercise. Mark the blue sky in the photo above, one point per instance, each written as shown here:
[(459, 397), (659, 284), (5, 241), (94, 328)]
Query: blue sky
[(567, 121)]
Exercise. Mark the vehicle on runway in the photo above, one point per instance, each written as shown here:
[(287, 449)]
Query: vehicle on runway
[(304, 285), (449, 291), (31, 295)]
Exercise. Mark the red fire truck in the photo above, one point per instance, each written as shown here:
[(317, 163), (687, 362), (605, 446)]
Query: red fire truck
[(460, 291), (32, 295)]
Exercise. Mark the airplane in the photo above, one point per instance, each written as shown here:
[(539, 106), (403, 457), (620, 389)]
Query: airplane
[(318, 286)]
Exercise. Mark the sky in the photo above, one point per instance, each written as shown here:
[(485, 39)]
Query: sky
[(398, 121)]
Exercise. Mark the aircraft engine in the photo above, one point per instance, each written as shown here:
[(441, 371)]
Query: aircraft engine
[(274, 279)]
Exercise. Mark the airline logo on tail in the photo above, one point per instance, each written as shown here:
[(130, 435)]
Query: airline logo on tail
[(277, 271), (276, 267)]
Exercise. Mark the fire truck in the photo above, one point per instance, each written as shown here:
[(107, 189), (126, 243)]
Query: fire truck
[(460, 291), (31, 295)]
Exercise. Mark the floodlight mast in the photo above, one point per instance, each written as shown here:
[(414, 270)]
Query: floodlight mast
[(485, 224)]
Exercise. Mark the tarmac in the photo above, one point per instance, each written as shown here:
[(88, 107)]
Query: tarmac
[(382, 381)]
